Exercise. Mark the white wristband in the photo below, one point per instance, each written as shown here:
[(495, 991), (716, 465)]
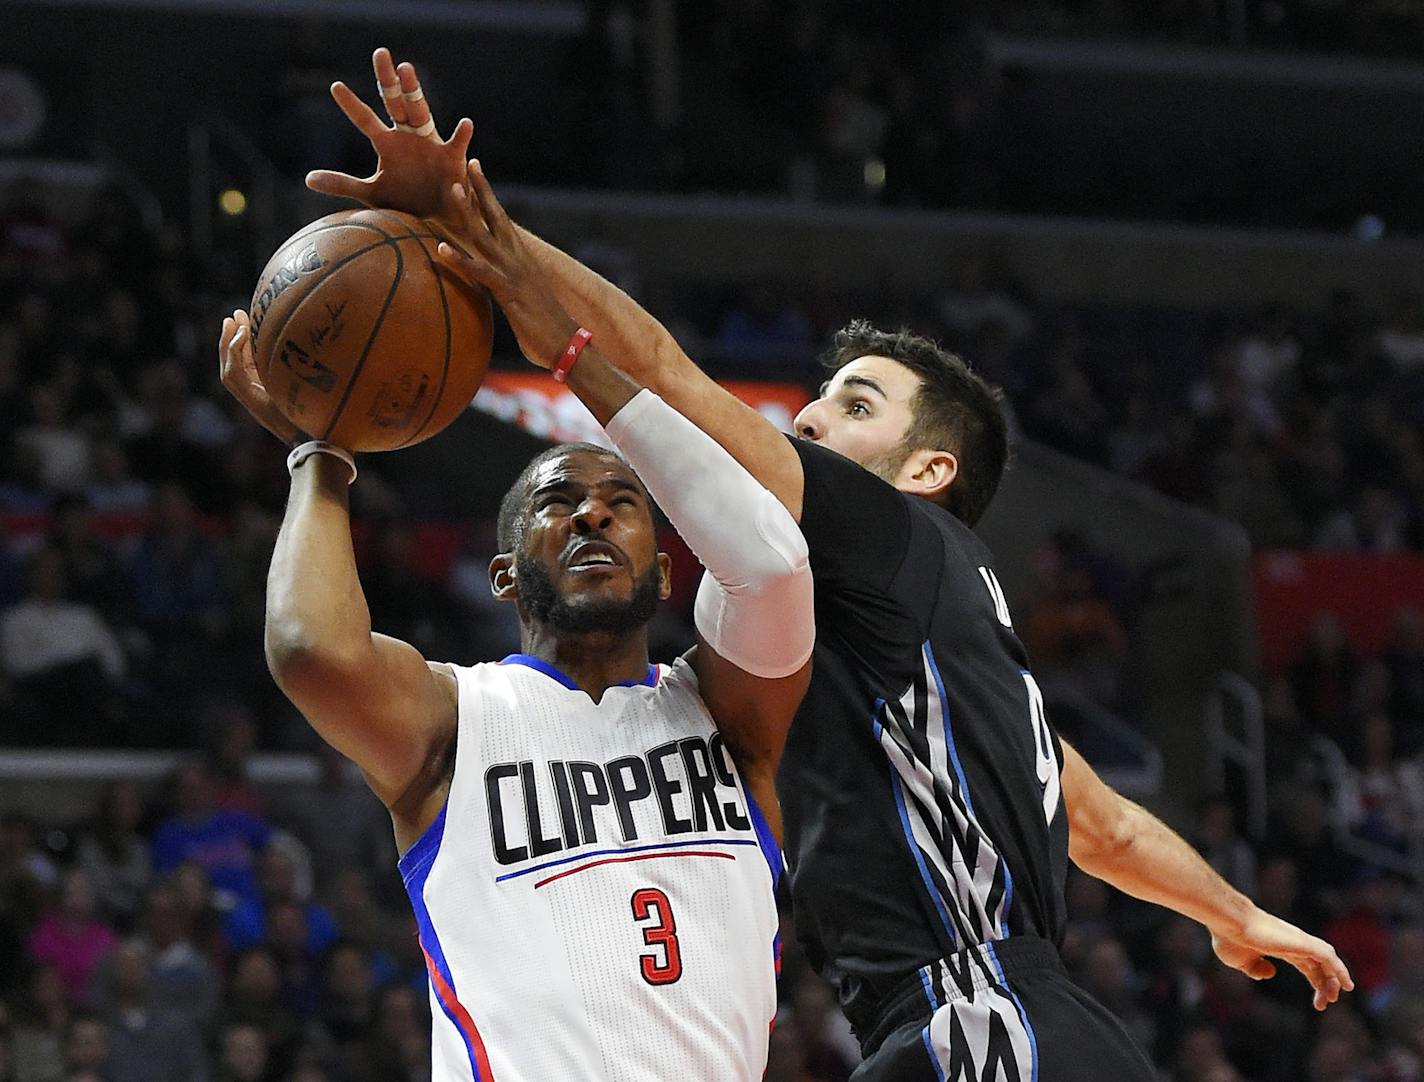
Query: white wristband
[(304, 451)]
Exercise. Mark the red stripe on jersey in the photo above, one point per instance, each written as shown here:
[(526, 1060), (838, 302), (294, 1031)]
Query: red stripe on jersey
[(627, 860), (462, 1018)]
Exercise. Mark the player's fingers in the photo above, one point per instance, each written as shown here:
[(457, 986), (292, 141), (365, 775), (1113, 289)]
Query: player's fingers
[(388, 85), (330, 182), (229, 328), (490, 210), (462, 263), (459, 139), (456, 207), (357, 111), (417, 110)]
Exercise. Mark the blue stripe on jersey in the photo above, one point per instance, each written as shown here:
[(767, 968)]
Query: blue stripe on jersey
[(929, 991), (964, 787), (929, 1051), (623, 849), (415, 867), (934, 894), (650, 679), (765, 838), (1018, 1006)]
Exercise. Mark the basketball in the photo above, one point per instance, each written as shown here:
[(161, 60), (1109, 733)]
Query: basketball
[(362, 337)]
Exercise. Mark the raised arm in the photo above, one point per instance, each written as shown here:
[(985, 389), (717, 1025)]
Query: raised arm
[(755, 612), (1122, 843), (372, 697), (415, 167)]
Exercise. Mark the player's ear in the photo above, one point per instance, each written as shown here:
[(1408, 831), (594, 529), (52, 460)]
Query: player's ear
[(928, 473), (503, 584), (664, 576)]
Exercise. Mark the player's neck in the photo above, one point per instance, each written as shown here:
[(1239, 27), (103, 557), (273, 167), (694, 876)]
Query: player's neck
[(595, 660)]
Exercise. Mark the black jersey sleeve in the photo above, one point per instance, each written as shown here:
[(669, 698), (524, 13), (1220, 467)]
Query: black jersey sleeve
[(857, 527)]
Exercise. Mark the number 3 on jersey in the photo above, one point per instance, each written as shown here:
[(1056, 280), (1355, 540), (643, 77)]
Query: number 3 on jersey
[(663, 964)]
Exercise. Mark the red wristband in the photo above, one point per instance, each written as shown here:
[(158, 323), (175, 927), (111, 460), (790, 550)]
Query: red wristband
[(560, 371)]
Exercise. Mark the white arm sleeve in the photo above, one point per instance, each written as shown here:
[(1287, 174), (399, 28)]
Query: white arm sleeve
[(755, 605)]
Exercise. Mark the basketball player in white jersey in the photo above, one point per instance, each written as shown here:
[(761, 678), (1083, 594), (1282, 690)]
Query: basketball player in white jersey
[(585, 852)]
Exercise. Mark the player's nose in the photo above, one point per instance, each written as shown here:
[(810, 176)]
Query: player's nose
[(593, 516), (808, 424)]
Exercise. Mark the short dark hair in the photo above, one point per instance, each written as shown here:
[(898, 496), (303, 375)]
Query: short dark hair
[(954, 410), (509, 526)]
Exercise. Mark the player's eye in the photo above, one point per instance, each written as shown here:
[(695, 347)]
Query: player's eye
[(557, 499), (858, 408), (625, 501)]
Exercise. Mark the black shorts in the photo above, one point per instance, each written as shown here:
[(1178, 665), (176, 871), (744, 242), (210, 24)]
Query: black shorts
[(1012, 1013)]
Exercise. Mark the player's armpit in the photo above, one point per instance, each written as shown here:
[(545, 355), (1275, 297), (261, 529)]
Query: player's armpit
[(385, 708), (753, 715)]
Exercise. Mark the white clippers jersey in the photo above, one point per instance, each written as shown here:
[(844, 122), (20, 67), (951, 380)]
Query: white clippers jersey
[(595, 899)]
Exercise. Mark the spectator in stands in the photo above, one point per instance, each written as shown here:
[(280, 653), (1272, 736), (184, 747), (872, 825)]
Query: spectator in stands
[(1261, 1036), (1303, 835), (63, 660), (1381, 797), (339, 796), (398, 1047), (232, 739), (1360, 929), (147, 1042), (224, 844), (289, 940), (61, 449), (1405, 990), (1401, 337), (115, 855), (181, 978), (1200, 1057), (761, 325), (91, 571), (1403, 656), (277, 877), (242, 1055), (1174, 984), (1072, 634), (73, 936), (1324, 677), (38, 1025), (1108, 975), (1224, 848), (254, 997), (1376, 522), (166, 454), (830, 1050), (1336, 1059), (174, 576), (112, 488), (86, 1048), (347, 1006)]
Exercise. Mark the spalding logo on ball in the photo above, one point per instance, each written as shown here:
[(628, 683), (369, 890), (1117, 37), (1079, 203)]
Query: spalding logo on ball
[(362, 338)]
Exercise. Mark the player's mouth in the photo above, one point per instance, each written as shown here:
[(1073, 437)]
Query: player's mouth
[(593, 556)]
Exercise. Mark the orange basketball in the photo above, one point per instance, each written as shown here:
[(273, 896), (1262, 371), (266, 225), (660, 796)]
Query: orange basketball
[(362, 337)]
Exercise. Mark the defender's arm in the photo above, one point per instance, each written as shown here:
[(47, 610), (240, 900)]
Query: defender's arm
[(1124, 844)]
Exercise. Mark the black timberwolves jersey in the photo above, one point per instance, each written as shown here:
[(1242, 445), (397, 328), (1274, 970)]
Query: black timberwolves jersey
[(920, 782)]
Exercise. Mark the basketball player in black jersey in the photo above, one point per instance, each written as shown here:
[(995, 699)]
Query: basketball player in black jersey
[(929, 808)]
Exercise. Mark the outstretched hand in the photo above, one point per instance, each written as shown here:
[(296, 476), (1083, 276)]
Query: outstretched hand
[(1264, 937), (238, 370), (483, 246), (414, 166)]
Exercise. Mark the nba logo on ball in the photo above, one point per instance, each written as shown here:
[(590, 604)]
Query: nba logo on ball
[(306, 367)]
